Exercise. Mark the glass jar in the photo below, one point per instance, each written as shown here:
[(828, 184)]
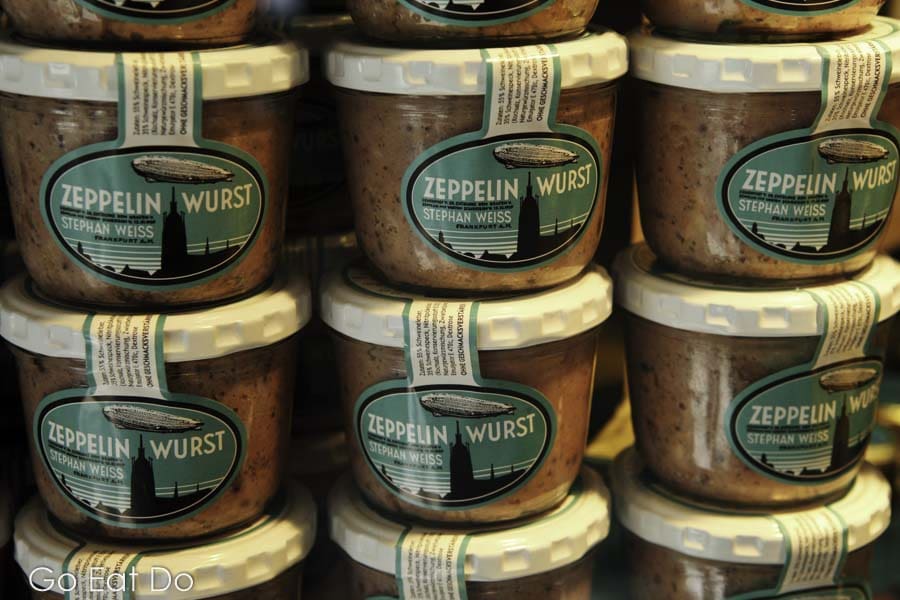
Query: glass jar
[(441, 200), (678, 549), (266, 559), (372, 541), (502, 432), (731, 182), (150, 427), (430, 23), (760, 19), (128, 218), (190, 24), (733, 390)]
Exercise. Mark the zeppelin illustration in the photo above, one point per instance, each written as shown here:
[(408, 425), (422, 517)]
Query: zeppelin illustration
[(850, 151), (533, 156), (142, 419), (464, 407), (167, 169)]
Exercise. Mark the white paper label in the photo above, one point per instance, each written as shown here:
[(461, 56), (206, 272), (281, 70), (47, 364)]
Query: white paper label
[(851, 311), (101, 574), (432, 566), (123, 356), (159, 99), (856, 73), (440, 351), (522, 91), (816, 549)]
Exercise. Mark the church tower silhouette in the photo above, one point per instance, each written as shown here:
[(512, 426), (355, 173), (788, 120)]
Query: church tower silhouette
[(841, 214), (529, 236), (143, 483), (174, 239), (462, 475), (840, 451)]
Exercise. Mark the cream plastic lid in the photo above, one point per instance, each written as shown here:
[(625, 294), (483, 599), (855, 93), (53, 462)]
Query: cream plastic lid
[(593, 58), (745, 68), (235, 72), (360, 307), (646, 288), (746, 538), (238, 561), (552, 541), (46, 328)]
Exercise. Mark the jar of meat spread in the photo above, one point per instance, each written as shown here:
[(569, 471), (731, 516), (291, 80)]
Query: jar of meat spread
[(760, 19), (681, 550), (446, 23), (157, 426), (545, 558), (479, 169), (754, 396), (165, 178), (767, 162), (134, 22), (264, 561), (465, 410), (319, 201)]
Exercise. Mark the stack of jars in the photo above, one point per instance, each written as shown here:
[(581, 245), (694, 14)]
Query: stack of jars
[(154, 334), (759, 310), (476, 149)]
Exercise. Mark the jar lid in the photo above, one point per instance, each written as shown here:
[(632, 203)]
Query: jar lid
[(745, 68), (363, 308), (552, 541), (593, 58), (709, 533), (238, 561), (46, 328), (648, 289), (235, 72)]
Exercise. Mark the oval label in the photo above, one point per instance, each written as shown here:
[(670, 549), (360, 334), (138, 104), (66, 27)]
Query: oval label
[(156, 10), (808, 427), (138, 463), (505, 203), (809, 7), (476, 12), (151, 217), (817, 198), (453, 447)]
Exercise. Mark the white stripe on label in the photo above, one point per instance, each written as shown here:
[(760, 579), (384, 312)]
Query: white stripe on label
[(123, 356), (429, 566), (817, 549), (856, 74), (440, 348), (159, 99), (522, 90), (851, 311), (101, 574)]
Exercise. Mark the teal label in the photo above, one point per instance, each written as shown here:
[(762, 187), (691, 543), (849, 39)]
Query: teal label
[(452, 447), (519, 193), (156, 12), (807, 8), (809, 426), (160, 208), (138, 463), (812, 422), (476, 13), (823, 194)]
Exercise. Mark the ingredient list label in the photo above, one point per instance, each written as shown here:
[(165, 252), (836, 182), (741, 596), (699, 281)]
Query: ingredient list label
[(476, 13), (101, 573), (519, 193), (445, 438), (817, 542), (161, 207), (822, 194), (125, 450), (813, 422), (156, 13), (807, 8), (432, 565)]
